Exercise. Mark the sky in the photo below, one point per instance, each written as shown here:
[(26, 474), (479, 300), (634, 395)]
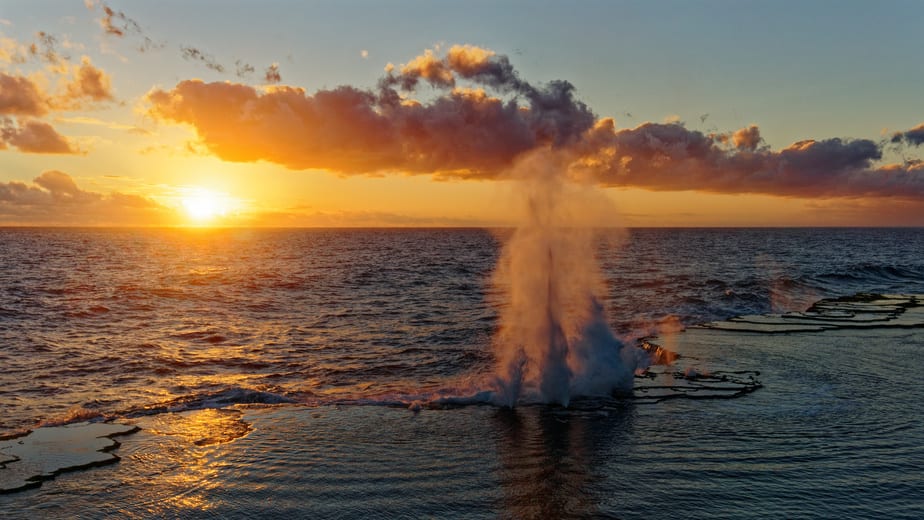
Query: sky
[(371, 113)]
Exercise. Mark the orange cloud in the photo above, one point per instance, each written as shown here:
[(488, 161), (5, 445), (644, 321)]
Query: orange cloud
[(468, 59), (747, 138), (21, 96), (89, 82), (33, 136), (480, 130), (54, 198), (22, 99), (464, 132), (429, 67), (348, 130), (468, 62), (11, 51)]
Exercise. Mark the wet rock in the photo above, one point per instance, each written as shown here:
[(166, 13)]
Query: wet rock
[(850, 312), (28, 460)]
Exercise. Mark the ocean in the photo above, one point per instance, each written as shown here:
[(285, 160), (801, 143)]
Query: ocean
[(331, 372)]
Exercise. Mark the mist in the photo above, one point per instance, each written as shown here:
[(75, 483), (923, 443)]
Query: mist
[(554, 342)]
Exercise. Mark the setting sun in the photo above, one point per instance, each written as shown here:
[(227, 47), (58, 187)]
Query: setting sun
[(204, 205)]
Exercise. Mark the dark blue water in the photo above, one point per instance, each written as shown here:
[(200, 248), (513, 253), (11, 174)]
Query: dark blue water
[(135, 324)]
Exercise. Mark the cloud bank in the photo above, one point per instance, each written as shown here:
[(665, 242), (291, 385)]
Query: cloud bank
[(482, 117), (465, 132), (672, 157), (53, 198)]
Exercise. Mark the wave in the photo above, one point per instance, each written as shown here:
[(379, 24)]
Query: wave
[(695, 301), (870, 274), (76, 414), (220, 399)]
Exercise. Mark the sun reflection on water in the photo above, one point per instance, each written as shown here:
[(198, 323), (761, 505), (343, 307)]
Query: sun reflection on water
[(185, 451)]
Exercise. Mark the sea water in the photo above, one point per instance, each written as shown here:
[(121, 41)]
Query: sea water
[(304, 327)]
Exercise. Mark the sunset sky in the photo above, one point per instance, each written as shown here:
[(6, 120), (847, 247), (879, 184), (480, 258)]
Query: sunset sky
[(370, 113)]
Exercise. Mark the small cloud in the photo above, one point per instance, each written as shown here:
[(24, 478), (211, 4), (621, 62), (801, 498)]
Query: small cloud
[(11, 51), (149, 44), (21, 96), (154, 149), (242, 69), (118, 24), (114, 22), (46, 49), (914, 137), (33, 136), (364, 54), (747, 138), (272, 75), (4, 21), (69, 44), (194, 54), (89, 83)]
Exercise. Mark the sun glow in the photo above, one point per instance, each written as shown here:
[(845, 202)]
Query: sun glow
[(204, 205)]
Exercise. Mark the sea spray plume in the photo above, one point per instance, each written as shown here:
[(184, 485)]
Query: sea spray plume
[(554, 342)]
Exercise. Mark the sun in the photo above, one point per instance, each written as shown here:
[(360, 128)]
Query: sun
[(204, 205)]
